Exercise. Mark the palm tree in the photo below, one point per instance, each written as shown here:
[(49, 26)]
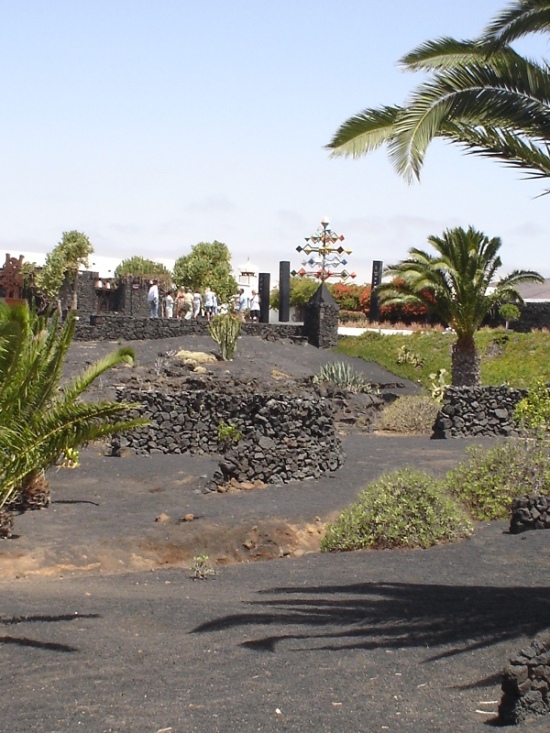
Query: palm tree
[(480, 94), (457, 285), (43, 422)]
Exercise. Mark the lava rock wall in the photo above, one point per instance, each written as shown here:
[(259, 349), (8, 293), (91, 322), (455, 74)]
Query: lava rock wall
[(272, 438), (127, 328), (530, 512), (468, 411), (526, 683)]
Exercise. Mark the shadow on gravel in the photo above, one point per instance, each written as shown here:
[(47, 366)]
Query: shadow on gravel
[(46, 645), (394, 615)]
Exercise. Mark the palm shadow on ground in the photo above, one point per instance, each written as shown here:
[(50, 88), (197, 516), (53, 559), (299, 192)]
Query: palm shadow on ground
[(448, 619), (34, 643)]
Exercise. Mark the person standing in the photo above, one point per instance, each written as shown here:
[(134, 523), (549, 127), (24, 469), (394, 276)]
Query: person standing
[(209, 304), (188, 304), (197, 304), (153, 299), (169, 305), (179, 302), (255, 306), (242, 303)]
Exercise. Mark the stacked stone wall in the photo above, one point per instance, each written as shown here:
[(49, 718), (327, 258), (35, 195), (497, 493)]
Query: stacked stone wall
[(281, 439), (321, 324), (526, 683), (530, 512), (483, 411), (116, 326)]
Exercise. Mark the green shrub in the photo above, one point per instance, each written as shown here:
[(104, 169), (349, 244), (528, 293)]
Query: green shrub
[(405, 355), (228, 434), (410, 414), (440, 382), (533, 412), (489, 480), (404, 508), (344, 376)]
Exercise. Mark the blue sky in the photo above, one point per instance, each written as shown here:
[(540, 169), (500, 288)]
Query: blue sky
[(152, 125)]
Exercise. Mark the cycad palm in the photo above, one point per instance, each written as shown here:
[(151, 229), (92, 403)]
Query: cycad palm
[(41, 422), (481, 95), (456, 284)]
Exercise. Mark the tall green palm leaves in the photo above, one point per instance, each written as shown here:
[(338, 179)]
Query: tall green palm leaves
[(480, 94), (456, 284), (40, 420)]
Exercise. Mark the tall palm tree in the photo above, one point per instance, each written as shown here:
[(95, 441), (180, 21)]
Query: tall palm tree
[(480, 94), (43, 422), (457, 285)]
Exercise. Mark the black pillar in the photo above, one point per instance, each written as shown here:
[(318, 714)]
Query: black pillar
[(264, 290), (374, 310), (284, 292)]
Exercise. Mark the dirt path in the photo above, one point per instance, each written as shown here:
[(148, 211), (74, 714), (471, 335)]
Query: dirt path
[(121, 514)]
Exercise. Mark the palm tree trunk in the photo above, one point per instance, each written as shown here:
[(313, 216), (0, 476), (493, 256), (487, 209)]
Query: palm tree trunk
[(6, 523), (33, 494), (466, 370)]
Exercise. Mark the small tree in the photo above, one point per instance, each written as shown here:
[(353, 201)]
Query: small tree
[(509, 313), (207, 265), (301, 290), (456, 285), (144, 268), (64, 261)]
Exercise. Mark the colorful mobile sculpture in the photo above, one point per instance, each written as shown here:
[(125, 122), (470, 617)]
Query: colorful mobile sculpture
[(325, 256)]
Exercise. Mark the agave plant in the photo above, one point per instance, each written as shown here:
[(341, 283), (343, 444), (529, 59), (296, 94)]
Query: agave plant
[(344, 376), (42, 422)]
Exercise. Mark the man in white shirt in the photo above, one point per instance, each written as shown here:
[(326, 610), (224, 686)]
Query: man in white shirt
[(153, 299)]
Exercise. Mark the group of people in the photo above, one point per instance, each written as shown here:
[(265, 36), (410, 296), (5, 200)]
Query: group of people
[(188, 304), (246, 306), (196, 305), (182, 303)]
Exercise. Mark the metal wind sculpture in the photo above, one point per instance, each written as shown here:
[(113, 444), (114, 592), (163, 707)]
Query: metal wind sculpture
[(325, 255)]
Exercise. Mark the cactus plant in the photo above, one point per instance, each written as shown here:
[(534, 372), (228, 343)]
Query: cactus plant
[(225, 330)]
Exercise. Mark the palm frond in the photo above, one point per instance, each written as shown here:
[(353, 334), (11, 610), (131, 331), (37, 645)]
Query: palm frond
[(40, 421), (517, 20), (40, 444), (507, 147), (511, 96), (443, 53), (364, 132), (80, 384)]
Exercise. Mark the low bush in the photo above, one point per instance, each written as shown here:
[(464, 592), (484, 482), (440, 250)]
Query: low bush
[(489, 480), (404, 508), (533, 412), (410, 414)]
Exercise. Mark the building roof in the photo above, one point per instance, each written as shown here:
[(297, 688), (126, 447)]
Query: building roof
[(535, 291), (248, 267)]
